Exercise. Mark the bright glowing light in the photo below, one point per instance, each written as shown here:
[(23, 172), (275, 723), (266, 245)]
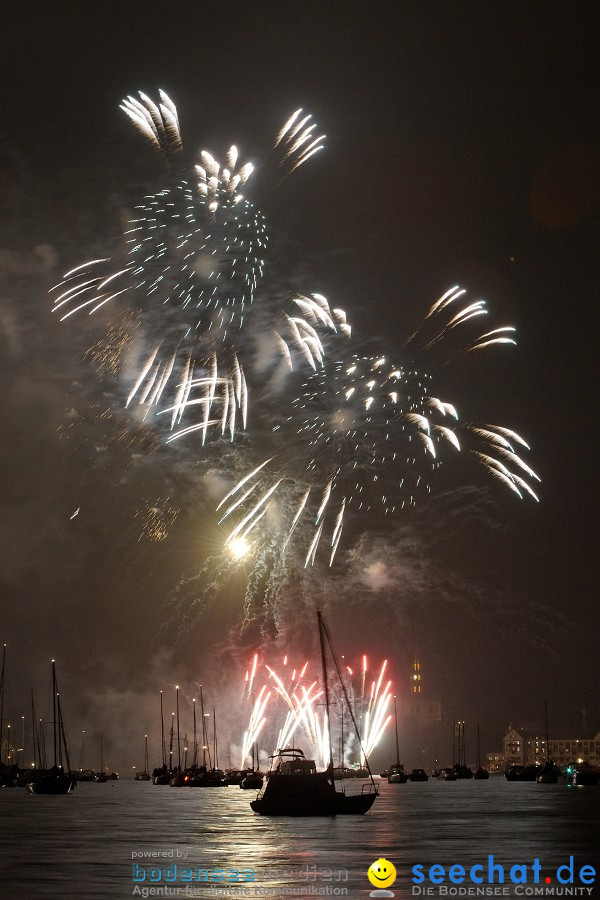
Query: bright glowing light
[(239, 548)]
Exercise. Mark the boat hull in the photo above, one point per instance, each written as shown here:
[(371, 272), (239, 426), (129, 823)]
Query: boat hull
[(587, 779), (252, 783), (397, 778), (340, 805), (52, 784)]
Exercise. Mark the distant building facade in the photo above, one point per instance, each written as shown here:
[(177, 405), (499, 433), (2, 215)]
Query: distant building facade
[(496, 762), (525, 748)]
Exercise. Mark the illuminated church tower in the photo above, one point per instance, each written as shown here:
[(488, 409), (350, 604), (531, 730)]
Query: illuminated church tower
[(415, 680), (418, 704), (420, 716)]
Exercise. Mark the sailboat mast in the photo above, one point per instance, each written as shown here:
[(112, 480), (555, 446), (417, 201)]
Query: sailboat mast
[(396, 726), (478, 749), (325, 686), (54, 707), (323, 626), (2, 699), (33, 735), (203, 728), (178, 737), (215, 745), (195, 757), (162, 730), (62, 738), (146, 753), (101, 758), (547, 735)]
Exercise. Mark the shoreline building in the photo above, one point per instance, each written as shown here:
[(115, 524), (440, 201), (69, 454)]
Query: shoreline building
[(525, 746)]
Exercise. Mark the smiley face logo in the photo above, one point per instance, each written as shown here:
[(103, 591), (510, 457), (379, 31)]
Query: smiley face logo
[(381, 873)]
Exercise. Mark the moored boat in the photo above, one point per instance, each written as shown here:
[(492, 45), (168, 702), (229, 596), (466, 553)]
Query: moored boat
[(342, 773), (396, 773), (295, 788), (145, 775), (480, 774), (253, 781), (235, 776), (522, 773), (58, 779), (161, 775), (549, 773), (101, 777), (583, 774)]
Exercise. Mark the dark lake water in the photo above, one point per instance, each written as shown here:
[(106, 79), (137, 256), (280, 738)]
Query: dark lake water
[(81, 845)]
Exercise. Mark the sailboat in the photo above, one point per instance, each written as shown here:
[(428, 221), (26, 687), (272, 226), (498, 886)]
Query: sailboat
[(460, 767), (480, 774), (396, 773), (548, 774), (294, 787), (58, 779), (145, 775), (207, 775), (101, 777), (8, 771), (161, 775), (253, 780), (178, 779)]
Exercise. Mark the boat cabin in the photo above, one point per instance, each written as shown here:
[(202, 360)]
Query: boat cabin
[(296, 766)]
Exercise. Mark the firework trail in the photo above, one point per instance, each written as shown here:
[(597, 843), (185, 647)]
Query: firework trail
[(156, 517), (255, 725), (374, 717)]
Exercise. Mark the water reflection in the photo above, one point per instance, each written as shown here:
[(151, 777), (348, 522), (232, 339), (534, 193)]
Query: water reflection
[(81, 845)]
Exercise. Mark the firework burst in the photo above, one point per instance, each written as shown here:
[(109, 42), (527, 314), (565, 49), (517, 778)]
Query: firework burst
[(371, 434), (297, 699), (192, 272)]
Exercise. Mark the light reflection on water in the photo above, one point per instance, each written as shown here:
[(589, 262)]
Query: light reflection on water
[(81, 845)]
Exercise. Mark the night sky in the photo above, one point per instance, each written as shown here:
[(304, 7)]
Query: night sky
[(459, 151)]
